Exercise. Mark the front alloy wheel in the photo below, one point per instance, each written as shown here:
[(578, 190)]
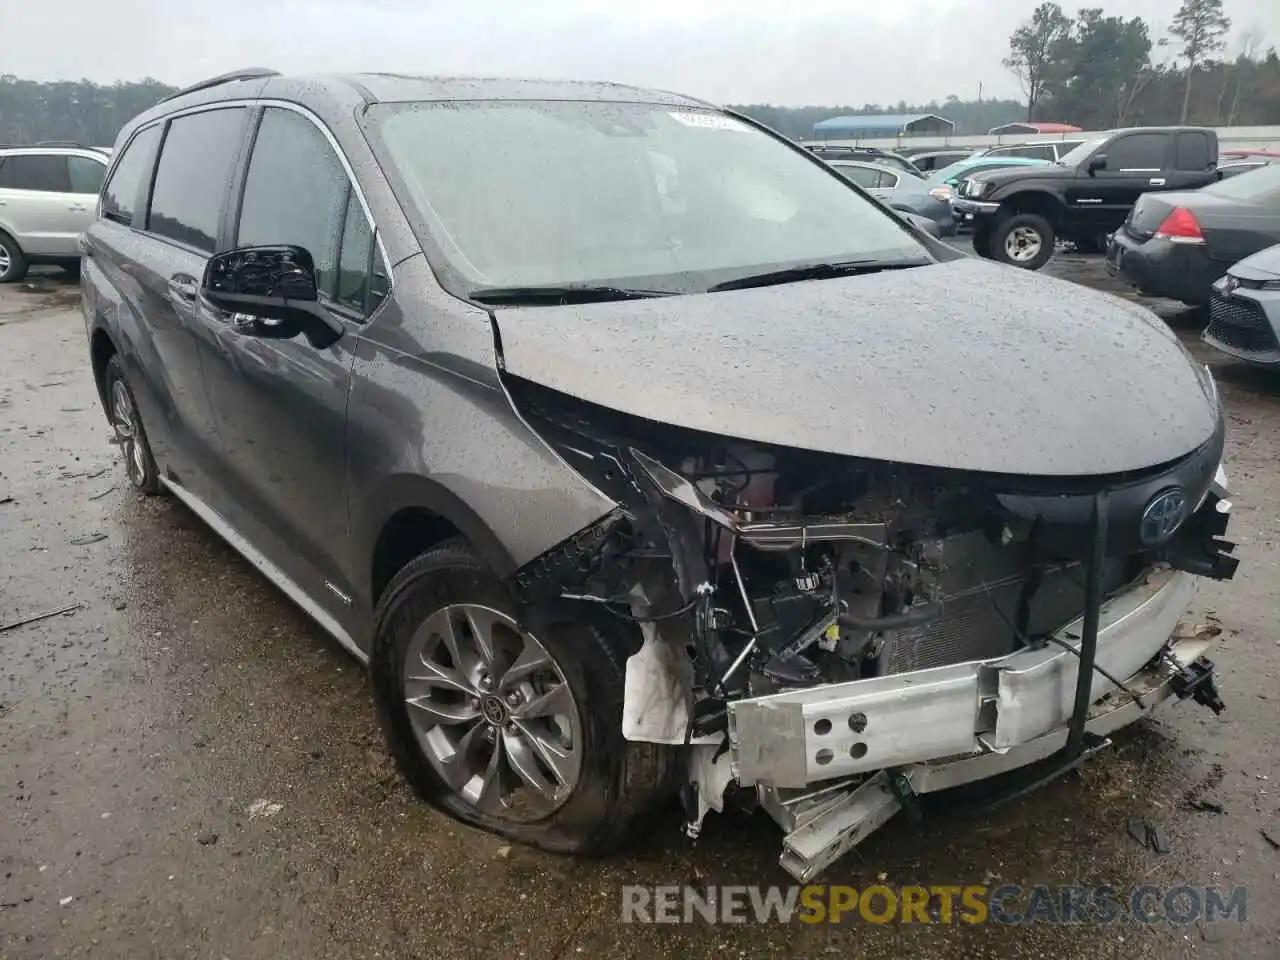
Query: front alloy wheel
[(505, 727), (492, 712)]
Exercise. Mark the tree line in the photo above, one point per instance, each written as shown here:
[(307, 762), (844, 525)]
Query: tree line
[(1089, 69), (1099, 72)]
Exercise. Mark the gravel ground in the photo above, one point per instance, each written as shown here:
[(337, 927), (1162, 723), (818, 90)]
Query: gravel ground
[(138, 730)]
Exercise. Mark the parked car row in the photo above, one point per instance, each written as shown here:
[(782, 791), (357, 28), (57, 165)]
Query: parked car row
[(1177, 244)]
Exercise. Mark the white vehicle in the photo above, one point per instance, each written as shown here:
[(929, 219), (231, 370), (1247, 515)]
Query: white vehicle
[(48, 194)]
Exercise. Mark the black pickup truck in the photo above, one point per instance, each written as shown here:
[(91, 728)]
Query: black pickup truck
[(1019, 213)]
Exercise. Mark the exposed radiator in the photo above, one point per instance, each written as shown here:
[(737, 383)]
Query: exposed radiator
[(980, 584)]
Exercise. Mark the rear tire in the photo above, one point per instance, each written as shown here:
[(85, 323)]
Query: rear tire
[(122, 409), (1023, 240), (445, 741), (13, 265)]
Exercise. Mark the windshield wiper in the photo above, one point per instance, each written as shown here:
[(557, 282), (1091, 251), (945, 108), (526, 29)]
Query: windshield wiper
[(564, 293), (816, 271)]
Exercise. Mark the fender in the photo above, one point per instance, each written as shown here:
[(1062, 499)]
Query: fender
[(1053, 192), (376, 506)]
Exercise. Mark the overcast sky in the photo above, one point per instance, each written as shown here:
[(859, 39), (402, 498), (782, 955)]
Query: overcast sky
[(738, 51)]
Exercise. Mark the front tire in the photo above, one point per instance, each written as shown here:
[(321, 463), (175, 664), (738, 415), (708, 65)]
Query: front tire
[(982, 242), (515, 734), (13, 265), (122, 409), (1024, 240)]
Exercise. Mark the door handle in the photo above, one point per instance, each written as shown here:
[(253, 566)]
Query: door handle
[(1157, 181), (183, 287)]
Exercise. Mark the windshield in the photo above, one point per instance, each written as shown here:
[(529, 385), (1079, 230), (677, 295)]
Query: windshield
[(525, 193), (1255, 186), (1075, 156)]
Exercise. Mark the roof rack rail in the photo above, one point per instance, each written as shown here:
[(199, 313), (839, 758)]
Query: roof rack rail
[(248, 73), (50, 143), (65, 143)]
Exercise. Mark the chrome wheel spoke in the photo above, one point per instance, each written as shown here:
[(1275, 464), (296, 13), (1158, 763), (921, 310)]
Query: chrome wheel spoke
[(431, 674), (456, 768), (555, 702), (522, 758), (122, 411), (562, 761), (440, 624), (480, 623), (486, 791), (444, 713), (532, 659)]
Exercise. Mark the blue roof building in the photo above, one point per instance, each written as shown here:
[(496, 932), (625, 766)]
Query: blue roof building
[(872, 126)]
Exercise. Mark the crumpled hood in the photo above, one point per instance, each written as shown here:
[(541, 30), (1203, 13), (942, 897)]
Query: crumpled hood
[(967, 364)]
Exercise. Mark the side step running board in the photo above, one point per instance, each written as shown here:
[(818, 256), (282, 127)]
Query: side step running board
[(268, 569)]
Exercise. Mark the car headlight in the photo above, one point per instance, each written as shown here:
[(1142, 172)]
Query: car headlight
[(940, 193), (976, 188)]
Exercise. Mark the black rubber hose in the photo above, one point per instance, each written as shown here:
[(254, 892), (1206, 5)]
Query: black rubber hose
[(892, 621)]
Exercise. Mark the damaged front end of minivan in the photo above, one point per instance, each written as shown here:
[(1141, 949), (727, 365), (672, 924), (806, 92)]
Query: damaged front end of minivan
[(842, 636)]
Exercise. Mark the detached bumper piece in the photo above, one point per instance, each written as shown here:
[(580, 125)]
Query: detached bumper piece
[(1039, 712)]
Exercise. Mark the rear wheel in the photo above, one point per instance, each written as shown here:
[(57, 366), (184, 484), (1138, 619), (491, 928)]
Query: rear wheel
[(13, 265), (1024, 240), (514, 733), (130, 435)]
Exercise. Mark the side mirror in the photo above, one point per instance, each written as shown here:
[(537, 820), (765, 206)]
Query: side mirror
[(274, 289), (1097, 162)]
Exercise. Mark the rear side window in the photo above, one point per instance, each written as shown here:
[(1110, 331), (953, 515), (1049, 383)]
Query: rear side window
[(42, 173), (1040, 152), (1138, 153), (120, 198), (1193, 152), (861, 176), (1030, 151), (86, 175), (194, 176)]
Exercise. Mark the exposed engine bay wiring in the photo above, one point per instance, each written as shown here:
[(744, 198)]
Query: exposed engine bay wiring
[(779, 569)]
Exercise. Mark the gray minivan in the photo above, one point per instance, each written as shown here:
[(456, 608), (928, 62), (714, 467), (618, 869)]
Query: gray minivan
[(640, 454)]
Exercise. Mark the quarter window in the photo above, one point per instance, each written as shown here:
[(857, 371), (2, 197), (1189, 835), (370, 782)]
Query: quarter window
[(862, 176), (193, 177), (86, 175), (45, 173), (120, 197), (297, 192)]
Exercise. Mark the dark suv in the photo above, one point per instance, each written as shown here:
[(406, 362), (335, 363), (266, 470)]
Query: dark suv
[(650, 454), (1018, 215)]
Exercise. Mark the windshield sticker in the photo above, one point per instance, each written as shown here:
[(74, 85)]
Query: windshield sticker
[(708, 121)]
